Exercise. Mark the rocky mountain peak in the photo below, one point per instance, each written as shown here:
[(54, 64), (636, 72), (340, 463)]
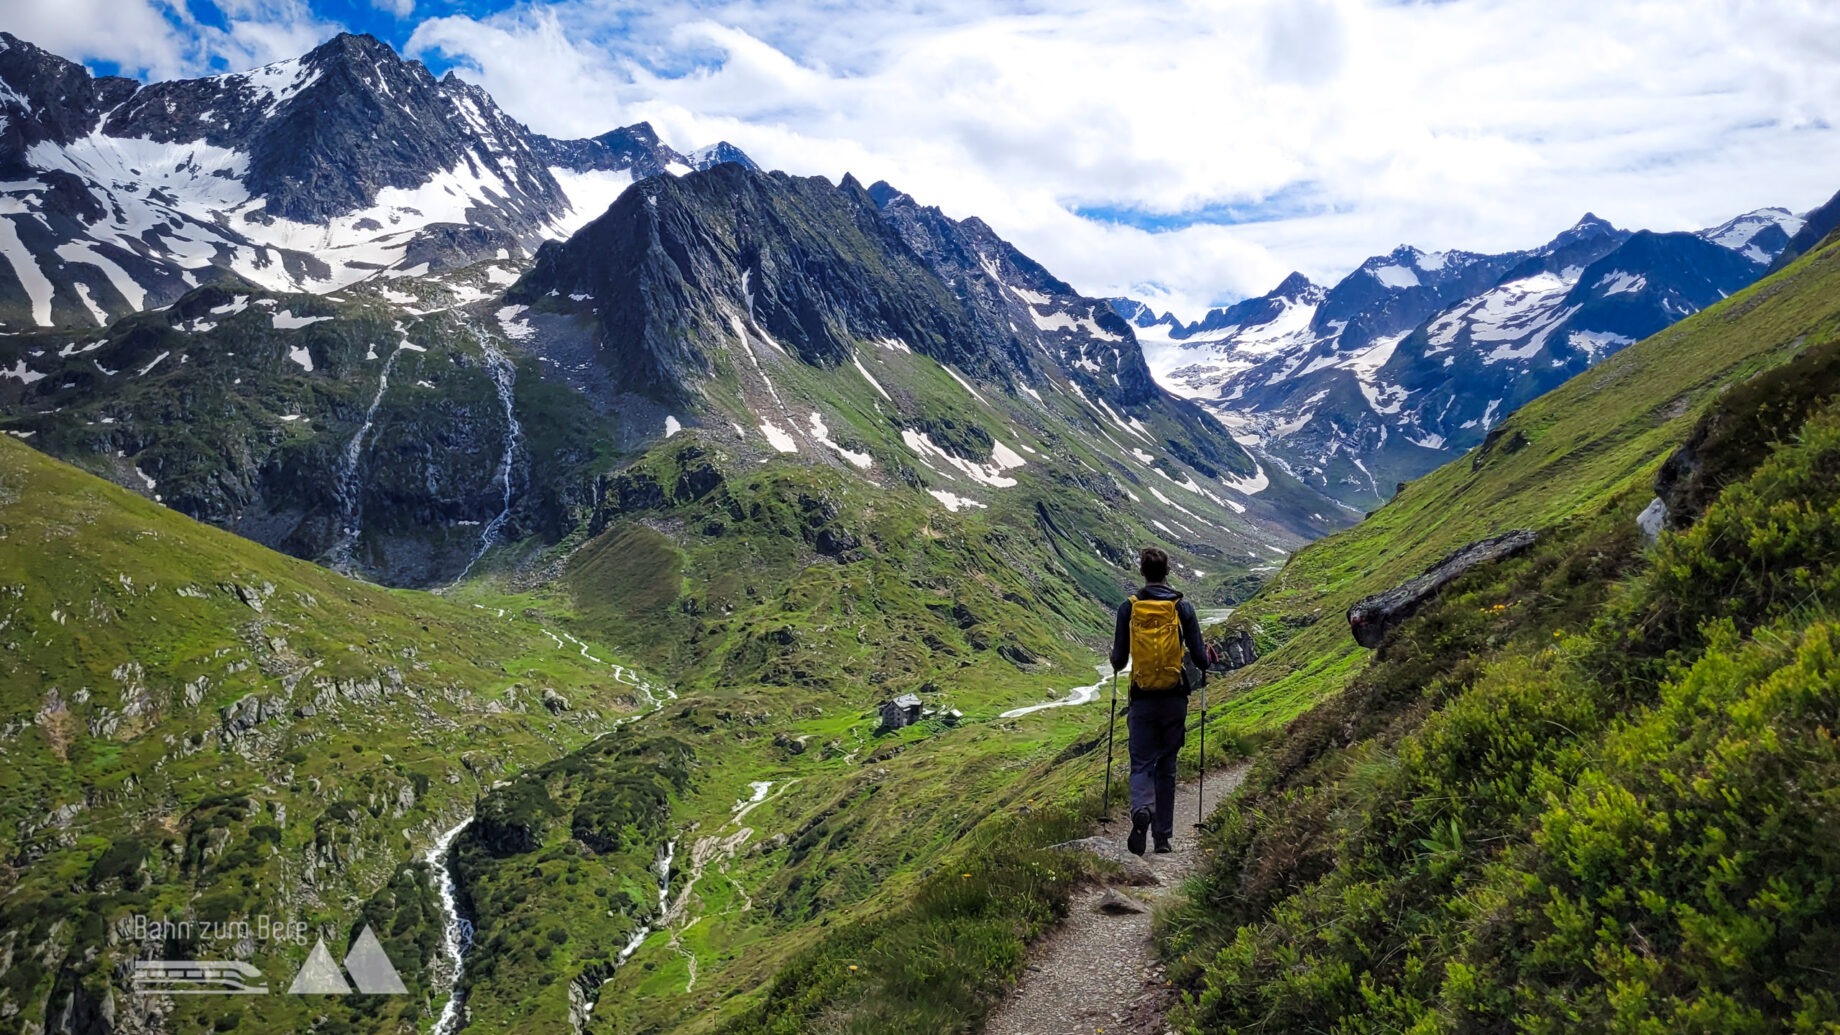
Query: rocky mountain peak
[(1589, 227), (354, 48), (1296, 287), (46, 97), (635, 149), (885, 193), (1140, 315), (719, 152), (637, 135)]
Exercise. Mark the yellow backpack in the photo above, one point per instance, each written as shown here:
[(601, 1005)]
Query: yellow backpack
[(1156, 645)]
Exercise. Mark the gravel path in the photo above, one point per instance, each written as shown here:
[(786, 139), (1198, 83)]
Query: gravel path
[(1096, 971)]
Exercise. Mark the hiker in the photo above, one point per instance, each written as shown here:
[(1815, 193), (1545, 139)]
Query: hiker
[(1159, 634)]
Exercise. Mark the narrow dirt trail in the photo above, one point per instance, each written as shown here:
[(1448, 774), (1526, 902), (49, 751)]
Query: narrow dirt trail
[(1097, 971)]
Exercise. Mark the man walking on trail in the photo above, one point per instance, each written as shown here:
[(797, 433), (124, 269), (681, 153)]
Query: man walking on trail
[(1158, 629)]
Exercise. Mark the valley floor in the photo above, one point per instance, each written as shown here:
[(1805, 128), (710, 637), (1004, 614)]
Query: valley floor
[(1098, 972)]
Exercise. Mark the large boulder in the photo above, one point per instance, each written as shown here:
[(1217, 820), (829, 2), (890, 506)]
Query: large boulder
[(1372, 618)]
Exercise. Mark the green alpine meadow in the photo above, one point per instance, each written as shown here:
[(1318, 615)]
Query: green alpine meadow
[(469, 566)]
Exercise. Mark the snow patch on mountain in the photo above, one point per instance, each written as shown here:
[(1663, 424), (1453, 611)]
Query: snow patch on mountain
[(286, 320), (873, 383), (990, 474), (1619, 283), (777, 437), (955, 503), (823, 434), (1395, 277), (590, 192), (25, 269)]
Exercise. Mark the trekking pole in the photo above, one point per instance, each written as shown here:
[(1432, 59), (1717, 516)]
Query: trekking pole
[(1201, 766), (1105, 803)]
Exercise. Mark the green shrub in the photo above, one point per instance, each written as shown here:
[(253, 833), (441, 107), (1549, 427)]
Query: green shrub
[(1589, 789)]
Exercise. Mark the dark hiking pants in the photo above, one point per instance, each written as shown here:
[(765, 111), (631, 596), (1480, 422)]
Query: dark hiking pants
[(1156, 725)]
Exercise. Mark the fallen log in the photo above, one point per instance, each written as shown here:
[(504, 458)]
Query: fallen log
[(1374, 617)]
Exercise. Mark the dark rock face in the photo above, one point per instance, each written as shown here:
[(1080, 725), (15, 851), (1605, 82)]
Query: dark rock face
[(635, 148), (1005, 289), (681, 268), (1821, 222), (249, 712), (675, 264), (52, 100), (1372, 618), (1237, 650)]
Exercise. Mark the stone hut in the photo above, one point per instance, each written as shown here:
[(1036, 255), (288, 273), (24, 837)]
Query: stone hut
[(902, 711)]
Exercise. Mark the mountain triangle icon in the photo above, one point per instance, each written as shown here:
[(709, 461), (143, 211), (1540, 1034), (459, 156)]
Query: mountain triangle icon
[(319, 975), (370, 967)]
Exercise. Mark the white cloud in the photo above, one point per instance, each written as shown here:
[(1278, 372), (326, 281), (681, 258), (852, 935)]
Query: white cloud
[(134, 33), (164, 39), (1486, 125), (399, 8)]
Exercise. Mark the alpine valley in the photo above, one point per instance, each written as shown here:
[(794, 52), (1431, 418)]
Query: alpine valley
[(516, 547)]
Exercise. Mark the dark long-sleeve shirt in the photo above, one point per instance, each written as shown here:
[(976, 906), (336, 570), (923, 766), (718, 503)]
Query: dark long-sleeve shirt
[(1191, 629)]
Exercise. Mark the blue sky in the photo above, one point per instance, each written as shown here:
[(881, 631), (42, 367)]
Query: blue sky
[(1188, 152)]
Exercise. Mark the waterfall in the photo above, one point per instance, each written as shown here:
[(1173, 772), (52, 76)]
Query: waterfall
[(504, 378), (350, 518), (457, 934), (638, 937)]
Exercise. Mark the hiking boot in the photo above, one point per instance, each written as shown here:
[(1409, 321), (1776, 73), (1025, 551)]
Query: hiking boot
[(1162, 846), (1140, 829)]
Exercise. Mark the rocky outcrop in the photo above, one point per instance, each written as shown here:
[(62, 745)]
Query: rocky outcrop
[(1237, 650), (249, 712), (1372, 618)]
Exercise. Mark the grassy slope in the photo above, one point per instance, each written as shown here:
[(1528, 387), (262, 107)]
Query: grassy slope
[(781, 655), (1599, 435), (779, 652), (124, 635), (1586, 787)]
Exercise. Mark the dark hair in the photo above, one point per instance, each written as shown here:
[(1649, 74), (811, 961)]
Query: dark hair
[(1154, 564)]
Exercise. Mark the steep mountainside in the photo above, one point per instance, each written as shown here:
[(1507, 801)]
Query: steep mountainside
[(1586, 786), (1415, 357), (785, 307), (381, 430), (403, 426), (304, 175)]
